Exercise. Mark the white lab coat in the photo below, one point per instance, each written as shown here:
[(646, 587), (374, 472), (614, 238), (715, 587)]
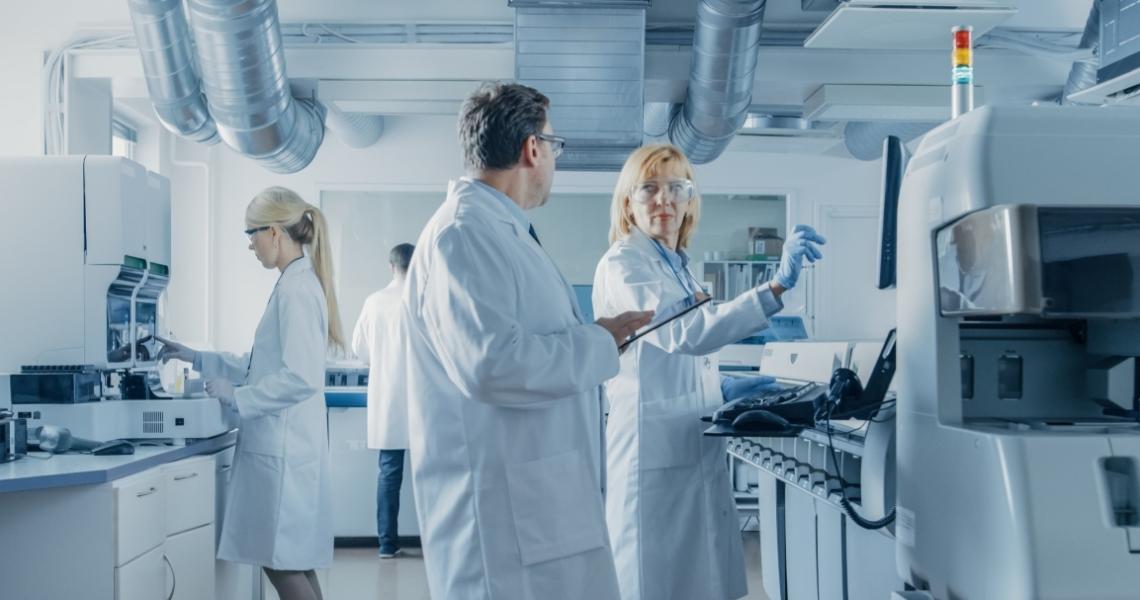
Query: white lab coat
[(504, 411), (374, 341), (279, 511), (669, 506)]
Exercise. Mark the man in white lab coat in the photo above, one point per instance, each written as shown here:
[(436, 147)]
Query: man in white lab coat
[(504, 377), (374, 341)]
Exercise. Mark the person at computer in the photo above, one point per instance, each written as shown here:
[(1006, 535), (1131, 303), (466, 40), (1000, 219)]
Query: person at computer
[(669, 506)]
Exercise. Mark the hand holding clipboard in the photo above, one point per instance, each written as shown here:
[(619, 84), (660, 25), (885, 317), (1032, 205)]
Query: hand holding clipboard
[(701, 301)]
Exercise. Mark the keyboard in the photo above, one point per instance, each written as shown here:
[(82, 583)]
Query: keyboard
[(727, 414)]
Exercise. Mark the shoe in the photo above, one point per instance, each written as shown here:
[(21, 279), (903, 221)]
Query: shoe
[(391, 553)]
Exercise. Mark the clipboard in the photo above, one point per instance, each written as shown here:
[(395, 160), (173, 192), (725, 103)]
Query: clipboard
[(653, 328)]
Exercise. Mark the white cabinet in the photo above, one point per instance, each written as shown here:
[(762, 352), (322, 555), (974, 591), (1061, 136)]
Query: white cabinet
[(189, 528), (190, 574), (138, 515), (355, 468), (141, 578)]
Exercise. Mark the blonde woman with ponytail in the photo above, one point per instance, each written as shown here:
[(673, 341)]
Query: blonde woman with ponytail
[(278, 513)]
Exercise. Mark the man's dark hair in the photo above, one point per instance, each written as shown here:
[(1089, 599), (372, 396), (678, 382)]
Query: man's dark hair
[(495, 122), (400, 257)]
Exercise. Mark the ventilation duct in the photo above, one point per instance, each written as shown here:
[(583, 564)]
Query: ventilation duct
[(243, 69), (1083, 75), (589, 59), (723, 72), (168, 65), (864, 140), (356, 130)]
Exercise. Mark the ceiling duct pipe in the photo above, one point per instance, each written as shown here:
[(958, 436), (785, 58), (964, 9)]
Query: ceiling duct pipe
[(1083, 74), (168, 64), (242, 61), (725, 54), (356, 130), (864, 139)]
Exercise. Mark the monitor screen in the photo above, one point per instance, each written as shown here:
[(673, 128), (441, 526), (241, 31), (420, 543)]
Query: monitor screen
[(894, 165)]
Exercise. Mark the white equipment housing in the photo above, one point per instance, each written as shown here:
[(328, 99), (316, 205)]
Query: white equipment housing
[(1019, 240)]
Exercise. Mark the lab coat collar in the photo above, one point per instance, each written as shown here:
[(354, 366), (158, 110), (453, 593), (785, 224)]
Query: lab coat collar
[(297, 266), (640, 240), (503, 207)]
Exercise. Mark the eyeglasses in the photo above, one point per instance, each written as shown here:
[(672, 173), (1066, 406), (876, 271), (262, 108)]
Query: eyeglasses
[(556, 143), (253, 230), (679, 191)]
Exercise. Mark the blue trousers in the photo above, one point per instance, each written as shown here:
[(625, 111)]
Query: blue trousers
[(388, 498)]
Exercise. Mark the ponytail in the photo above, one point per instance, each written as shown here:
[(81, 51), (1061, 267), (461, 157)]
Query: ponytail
[(305, 224), (323, 267)]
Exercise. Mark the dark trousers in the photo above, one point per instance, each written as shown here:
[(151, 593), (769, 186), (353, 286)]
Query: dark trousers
[(388, 498)]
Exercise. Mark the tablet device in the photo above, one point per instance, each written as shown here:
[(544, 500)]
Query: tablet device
[(654, 327)]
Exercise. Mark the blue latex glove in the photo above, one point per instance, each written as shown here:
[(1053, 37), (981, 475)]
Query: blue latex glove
[(803, 243), (734, 388)]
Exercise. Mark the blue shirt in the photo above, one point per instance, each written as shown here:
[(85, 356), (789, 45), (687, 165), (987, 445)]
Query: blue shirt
[(515, 210), (679, 262)]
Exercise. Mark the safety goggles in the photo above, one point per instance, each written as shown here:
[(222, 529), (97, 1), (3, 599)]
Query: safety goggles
[(253, 231), (677, 191)]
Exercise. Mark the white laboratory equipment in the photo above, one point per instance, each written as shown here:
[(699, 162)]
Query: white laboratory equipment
[(1019, 309), (87, 259)]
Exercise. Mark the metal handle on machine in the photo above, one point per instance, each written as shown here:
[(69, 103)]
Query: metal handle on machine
[(185, 477), (146, 493)]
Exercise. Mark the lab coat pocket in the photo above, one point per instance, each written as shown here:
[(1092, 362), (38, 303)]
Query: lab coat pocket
[(557, 507), (263, 434), (671, 432)]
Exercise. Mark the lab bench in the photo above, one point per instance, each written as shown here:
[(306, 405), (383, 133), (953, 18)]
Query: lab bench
[(124, 527), (354, 473)]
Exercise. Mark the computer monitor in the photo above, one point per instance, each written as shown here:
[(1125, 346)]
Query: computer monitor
[(894, 165)]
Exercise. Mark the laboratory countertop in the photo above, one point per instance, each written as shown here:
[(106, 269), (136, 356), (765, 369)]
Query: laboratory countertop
[(61, 470), (346, 397)]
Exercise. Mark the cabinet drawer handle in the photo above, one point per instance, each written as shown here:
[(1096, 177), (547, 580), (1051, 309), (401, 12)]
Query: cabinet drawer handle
[(146, 492), (185, 477), (225, 468)]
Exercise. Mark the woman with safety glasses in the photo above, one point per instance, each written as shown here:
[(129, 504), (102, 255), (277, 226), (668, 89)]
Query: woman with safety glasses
[(669, 506)]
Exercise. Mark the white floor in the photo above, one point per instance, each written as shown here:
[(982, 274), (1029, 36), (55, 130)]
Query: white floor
[(357, 574)]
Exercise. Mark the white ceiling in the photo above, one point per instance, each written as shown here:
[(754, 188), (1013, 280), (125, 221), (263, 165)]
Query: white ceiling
[(1032, 14)]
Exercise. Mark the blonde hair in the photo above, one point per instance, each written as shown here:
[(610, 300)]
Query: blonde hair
[(645, 163), (306, 225)]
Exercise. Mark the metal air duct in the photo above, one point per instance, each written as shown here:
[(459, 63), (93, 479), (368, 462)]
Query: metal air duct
[(168, 65), (242, 61), (725, 55), (864, 140)]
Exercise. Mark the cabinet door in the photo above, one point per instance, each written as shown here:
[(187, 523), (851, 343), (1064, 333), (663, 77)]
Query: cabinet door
[(191, 572), (142, 578)]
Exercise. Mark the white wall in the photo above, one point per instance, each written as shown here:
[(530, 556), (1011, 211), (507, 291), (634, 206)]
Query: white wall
[(421, 154)]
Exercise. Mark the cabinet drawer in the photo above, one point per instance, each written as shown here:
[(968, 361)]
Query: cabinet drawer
[(189, 493), (139, 515), (143, 578)]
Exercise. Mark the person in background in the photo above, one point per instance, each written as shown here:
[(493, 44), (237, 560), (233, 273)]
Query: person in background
[(504, 377), (669, 506), (374, 340), (279, 511)]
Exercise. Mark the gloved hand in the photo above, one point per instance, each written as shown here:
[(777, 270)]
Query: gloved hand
[(803, 243), (221, 389), (734, 388), (173, 350)]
